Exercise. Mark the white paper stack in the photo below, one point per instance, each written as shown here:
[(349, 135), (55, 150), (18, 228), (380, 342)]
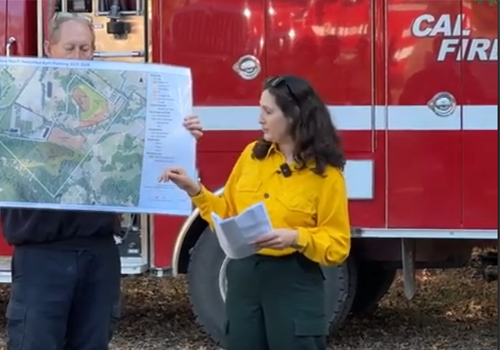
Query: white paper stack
[(236, 234)]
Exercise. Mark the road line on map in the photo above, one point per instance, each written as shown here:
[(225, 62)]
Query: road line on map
[(68, 101), (98, 92), (106, 83), (26, 82), (26, 169), (91, 148)]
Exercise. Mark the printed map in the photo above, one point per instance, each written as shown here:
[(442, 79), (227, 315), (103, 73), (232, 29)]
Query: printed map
[(71, 136)]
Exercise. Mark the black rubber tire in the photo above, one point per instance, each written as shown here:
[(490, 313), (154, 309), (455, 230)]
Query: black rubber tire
[(340, 289), (208, 306), (203, 285), (374, 283)]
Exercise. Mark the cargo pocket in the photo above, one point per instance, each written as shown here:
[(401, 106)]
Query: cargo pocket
[(310, 334), (16, 325)]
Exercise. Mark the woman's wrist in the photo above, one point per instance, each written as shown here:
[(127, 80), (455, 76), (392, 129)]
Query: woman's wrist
[(297, 241), (194, 190)]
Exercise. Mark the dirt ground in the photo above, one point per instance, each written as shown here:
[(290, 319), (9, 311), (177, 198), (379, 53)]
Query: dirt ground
[(454, 309)]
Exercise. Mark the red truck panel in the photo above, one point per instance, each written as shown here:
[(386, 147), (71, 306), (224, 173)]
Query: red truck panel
[(209, 36), (3, 26), (3, 42), (442, 169), (338, 46), (21, 24), (424, 166), (480, 151)]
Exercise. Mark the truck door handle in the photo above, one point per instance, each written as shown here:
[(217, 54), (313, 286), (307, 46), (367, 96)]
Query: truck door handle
[(8, 47), (247, 67), (443, 104)]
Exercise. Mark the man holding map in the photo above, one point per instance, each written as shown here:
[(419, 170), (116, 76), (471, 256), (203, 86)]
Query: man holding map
[(66, 266)]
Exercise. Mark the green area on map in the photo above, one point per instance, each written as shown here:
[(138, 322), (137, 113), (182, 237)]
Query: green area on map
[(71, 136)]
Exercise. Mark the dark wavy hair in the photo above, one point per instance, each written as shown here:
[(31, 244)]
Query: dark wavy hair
[(316, 138)]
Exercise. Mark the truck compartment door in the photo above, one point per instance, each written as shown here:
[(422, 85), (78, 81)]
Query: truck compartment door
[(222, 42), (4, 45), (332, 44), (21, 24), (480, 115), (424, 142)]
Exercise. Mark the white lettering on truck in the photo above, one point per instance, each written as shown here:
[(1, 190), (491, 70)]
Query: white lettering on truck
[(456, 40)]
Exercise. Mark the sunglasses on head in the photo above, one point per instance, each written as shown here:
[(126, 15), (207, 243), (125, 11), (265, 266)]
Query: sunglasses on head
[(279, 80), (69, 15)]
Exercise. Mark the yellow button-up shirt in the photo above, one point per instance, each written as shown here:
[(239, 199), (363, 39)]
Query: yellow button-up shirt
[(316, 206)]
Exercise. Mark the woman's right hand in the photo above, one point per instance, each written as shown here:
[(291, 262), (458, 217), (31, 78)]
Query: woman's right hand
[(181, 179)]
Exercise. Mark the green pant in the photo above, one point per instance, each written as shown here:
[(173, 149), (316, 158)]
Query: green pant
[(275, 303)]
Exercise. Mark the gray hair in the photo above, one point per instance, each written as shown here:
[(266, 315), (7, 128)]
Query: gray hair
[(62, 17)]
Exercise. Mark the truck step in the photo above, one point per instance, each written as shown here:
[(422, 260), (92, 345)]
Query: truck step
[(130, 266)]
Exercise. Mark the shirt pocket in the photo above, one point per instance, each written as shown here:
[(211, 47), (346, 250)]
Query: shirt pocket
[(247, 189), (298, 208)]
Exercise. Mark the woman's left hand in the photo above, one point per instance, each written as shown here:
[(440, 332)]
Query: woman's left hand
[(193, 125), (277, 239)]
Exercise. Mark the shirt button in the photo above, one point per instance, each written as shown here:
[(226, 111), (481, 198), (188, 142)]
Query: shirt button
[(266, 195)]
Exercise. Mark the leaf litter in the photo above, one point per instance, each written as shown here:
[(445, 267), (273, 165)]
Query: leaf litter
[(453, 310)]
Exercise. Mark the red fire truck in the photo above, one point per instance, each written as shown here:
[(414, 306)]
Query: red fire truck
[(411, 84)]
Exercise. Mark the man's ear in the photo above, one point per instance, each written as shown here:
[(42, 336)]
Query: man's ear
[(46, 48)]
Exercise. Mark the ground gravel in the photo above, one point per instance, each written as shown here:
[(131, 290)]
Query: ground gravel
[(455, 309)]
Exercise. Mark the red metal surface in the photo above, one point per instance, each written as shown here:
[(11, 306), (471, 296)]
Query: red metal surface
[(338, 46), (480, 151), (331, 44), (424, 167), (21, 24), (449, 178), (209, 36), (3, 26), (4, 249)]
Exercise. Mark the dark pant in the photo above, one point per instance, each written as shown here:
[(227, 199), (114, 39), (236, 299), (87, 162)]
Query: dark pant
[(275, 303), (63, 299)]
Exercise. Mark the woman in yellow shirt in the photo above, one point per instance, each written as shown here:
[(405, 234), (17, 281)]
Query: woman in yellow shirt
[(275, 299)]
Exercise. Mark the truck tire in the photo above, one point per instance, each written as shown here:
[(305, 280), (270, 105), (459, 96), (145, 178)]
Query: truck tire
[(374, 283), (206, 261), (206, 287), (340, 288)]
